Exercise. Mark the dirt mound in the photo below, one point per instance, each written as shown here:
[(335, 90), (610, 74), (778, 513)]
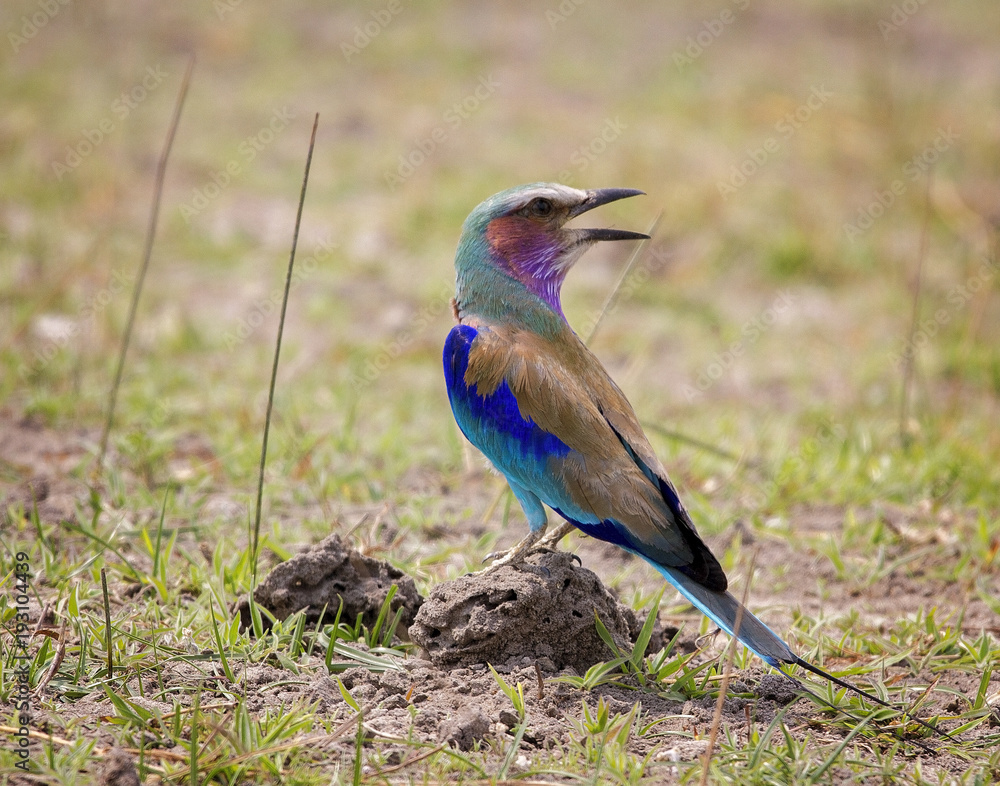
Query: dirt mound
[(329, 573), (465, 705), (119, 770), (543, 610)]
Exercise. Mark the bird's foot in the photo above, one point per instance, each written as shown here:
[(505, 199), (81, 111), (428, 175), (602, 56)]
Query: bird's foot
[(703, 639), (551, 540), (516, 555)]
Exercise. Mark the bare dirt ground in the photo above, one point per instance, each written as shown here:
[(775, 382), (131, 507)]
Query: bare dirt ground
[(534, 625)]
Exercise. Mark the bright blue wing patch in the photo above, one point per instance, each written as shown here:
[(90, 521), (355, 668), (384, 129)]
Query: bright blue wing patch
[(521, 450), (494, 419), (530, 457)]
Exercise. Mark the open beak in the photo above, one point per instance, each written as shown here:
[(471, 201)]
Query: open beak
[(601, 196)]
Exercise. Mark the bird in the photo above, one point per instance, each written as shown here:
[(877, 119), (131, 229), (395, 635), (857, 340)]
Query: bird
[(528, 393)]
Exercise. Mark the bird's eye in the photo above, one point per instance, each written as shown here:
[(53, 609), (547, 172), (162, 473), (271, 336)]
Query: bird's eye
[(541, 207)]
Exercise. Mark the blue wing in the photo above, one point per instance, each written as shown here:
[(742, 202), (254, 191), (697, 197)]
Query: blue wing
[(540, 466), (531, 459), (515, 445), (482, 418)]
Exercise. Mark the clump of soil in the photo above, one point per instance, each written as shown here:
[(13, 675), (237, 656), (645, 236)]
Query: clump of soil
[(38, 465), (119, 770), (329, 573), (542, 610), (465, 705)]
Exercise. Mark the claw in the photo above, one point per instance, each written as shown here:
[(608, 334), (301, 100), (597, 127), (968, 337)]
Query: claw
[(706, 636), (517, 554), (547, 550), (533, 542)]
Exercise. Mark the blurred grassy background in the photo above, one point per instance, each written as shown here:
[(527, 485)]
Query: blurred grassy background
[(788, 145), (825, 104)]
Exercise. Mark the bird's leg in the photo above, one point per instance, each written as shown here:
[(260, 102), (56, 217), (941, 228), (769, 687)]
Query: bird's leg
[(535, 513), (551, 540), (517, 554)]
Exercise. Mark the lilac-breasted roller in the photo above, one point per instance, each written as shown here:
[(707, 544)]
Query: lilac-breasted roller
[(528, 393)]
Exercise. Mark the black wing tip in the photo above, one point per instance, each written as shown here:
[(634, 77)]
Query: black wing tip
[(706, 571)]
